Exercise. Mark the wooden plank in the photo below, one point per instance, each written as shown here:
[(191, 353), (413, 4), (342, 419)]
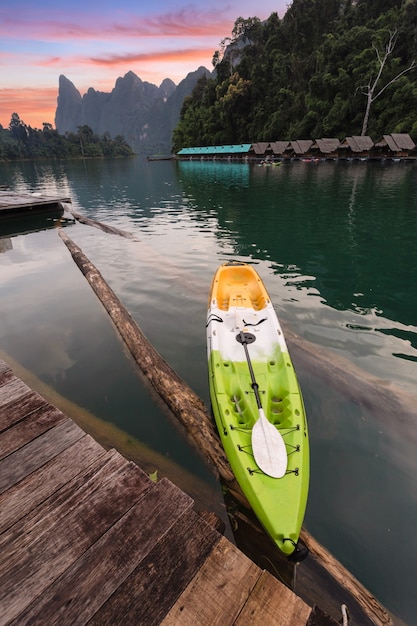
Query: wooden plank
[(38, 452), (12, 390), (19, 406), (76, 596), (270, 603), (31, 563), (4, 367), (10, 201), (33, 425), (151, 590), (217, 593), (54, 508), (82, 457)]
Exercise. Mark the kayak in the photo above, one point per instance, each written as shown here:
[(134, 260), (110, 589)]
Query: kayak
[(257, 403)]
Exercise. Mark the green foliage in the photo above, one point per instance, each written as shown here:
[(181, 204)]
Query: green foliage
[(19, 142), (154, 476), (307, 76)]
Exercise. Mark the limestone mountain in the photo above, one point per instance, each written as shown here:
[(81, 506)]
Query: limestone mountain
[(144, 114)]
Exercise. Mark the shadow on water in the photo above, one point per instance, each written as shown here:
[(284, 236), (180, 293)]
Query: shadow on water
[(29, 222)]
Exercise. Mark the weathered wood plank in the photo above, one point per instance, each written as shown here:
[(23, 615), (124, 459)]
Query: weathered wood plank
[(216, 594), (85, 587), (271, 603), (151, 590), (31, 563), (17, 466), (36, 423), (213, 520), (12, 201), (4, 368), (54, 508), (85, 456), (11, 390), (19, 407)]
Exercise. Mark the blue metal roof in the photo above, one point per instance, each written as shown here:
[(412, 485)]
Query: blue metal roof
[(213, 150)]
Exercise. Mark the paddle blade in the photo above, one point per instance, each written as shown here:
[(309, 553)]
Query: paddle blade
[(268, 448)]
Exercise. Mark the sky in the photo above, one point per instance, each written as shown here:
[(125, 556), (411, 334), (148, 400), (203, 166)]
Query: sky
[(93, 42)]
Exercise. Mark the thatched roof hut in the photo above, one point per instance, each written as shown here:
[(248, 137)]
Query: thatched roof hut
[(326, 147), (398, 144), (300, 147), (356, 146), (261, 148), (278, 147)]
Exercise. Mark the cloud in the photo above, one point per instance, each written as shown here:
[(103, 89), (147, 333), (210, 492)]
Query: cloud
[(184, 23), (38, 104), (168, 56), (187, 22)]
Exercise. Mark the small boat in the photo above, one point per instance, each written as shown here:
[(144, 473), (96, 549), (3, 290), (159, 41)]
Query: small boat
[(269, 164), (257, 403)]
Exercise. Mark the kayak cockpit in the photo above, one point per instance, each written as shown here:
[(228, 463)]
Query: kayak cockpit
[(238, 288)]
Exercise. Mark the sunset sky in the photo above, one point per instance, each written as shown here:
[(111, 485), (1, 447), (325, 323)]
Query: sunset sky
[(93, 42)]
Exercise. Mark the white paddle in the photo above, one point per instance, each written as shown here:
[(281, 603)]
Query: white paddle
[(268, 446)]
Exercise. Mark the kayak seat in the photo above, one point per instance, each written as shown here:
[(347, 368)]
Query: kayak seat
[(248, 296), (237, 286)]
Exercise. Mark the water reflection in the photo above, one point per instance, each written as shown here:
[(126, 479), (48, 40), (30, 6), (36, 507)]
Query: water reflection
[(32, 222), (225, 173), (335, 244)]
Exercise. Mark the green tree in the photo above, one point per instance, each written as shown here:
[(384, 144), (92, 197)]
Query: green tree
[(20, 141), (18, 130)]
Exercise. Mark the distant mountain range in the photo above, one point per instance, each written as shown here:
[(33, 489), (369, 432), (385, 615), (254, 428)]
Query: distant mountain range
[(144, 114)]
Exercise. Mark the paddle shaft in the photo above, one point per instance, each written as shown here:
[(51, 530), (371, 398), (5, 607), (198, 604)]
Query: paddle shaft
[(254, 385)]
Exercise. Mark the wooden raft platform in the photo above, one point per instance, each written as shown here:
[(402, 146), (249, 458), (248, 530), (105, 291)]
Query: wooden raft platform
[(12, 203), (87, 536)]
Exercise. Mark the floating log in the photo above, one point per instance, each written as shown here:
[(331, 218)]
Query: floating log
[(180, 399), (104, 227)]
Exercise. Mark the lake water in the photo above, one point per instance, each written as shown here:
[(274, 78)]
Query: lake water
[(335, 244)]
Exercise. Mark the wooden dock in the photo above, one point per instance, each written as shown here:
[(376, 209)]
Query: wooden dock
[(12, 203), (87, 536)]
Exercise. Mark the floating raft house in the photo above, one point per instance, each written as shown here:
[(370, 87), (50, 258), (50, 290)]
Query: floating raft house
[(13, 203)]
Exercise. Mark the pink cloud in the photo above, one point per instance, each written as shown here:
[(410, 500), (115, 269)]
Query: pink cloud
[(37, 105), (184, 23), (167, 56)]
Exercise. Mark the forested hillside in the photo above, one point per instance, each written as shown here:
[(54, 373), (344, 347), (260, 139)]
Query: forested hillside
[(328, 68)]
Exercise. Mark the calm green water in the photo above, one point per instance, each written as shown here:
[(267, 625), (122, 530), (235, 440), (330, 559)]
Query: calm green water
[(336, 246)]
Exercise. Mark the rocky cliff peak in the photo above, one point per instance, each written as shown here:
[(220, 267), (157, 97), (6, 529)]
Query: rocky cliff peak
[(144, 114)]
